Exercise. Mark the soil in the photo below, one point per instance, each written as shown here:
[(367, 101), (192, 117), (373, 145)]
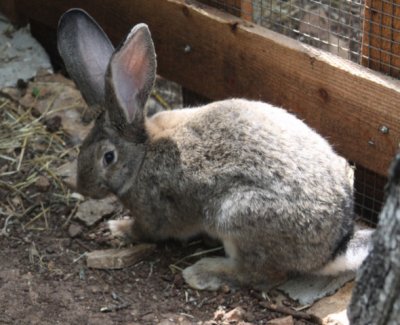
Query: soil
[(43, 280), (43, 274)]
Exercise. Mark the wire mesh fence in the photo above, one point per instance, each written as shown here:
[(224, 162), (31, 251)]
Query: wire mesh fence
[(369, 194), (364, 31), (334, 26)]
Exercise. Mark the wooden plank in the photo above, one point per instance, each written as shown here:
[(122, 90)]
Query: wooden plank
[(233, 7), (218, 55), (239, 8), (381, 38)]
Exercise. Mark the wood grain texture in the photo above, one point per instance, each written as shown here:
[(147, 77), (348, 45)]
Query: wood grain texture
[(229, 57), (381, 40)]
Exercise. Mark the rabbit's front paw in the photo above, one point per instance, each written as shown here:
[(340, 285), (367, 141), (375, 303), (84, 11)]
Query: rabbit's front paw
[(120, 228), (210, 273), (115, 233)]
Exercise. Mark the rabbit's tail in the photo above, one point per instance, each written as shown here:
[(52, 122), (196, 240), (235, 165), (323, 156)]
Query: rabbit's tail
[(350, 260)]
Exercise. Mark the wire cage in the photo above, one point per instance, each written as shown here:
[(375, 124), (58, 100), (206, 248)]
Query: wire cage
[(364, 31)]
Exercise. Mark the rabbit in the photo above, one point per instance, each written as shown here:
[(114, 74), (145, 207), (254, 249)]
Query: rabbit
[(244, 172)]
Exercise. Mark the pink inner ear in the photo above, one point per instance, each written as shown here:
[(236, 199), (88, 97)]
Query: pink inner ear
[(130, 69)]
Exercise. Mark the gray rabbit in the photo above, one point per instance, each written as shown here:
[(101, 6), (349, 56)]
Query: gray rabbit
[(244, 172)]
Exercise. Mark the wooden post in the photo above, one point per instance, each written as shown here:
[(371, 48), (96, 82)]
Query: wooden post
[(376, 298), (381, 38), (218, 55)]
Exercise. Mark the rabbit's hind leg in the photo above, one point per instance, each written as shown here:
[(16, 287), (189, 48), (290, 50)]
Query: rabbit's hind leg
[(239, 268)]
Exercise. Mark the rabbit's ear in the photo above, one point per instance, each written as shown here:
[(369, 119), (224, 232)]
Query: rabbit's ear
[(132, 73), (86, 51)]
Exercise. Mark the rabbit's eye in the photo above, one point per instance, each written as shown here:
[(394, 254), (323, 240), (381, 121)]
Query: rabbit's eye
[(108, 158)]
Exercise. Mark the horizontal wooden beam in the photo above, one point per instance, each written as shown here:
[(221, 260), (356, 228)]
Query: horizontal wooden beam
[(219, 56)]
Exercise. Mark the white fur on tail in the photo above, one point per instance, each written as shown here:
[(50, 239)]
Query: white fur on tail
[(357, 250)]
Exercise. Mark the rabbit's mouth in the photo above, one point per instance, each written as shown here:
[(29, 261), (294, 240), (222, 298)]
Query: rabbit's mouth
[(98, 191)]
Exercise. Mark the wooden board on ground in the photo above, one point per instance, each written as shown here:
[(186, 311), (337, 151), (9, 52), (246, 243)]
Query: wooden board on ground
[(118, 258), (219, 55)]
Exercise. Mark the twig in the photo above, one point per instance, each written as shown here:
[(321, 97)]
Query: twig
[(36, 217), (161, 100), (83, 245), (288, 311), (21, 157), (212, 250), (79, 257), (4, 230), (45, 215), (65, 224)]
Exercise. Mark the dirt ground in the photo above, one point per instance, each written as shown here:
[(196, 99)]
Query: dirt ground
[(44, 278), (43, 281)]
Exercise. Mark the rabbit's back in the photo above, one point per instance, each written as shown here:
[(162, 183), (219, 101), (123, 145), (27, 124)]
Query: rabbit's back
[(256, 172), (258, 143)]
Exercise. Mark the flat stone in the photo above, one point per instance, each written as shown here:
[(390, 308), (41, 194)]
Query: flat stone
[(309, 288), (332, 309), (21, 55), (42, 184), (116, 258), (92, 211)]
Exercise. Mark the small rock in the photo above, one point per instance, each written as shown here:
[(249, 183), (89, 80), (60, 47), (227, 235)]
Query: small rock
[(53, 124), (74, 230), (50, 250), (288, 320), (42, 184), (92, 211), (150, 317), (225, 289), (234, 315), (174, 319)]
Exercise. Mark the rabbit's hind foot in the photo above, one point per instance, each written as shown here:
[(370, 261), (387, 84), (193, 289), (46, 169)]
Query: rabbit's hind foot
[(215, 272), (210, 273)]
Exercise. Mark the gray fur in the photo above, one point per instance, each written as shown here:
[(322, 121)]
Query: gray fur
[(245, 172), (86, 51)]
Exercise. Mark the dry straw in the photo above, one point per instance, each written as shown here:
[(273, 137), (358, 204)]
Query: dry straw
[(28, 152)]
